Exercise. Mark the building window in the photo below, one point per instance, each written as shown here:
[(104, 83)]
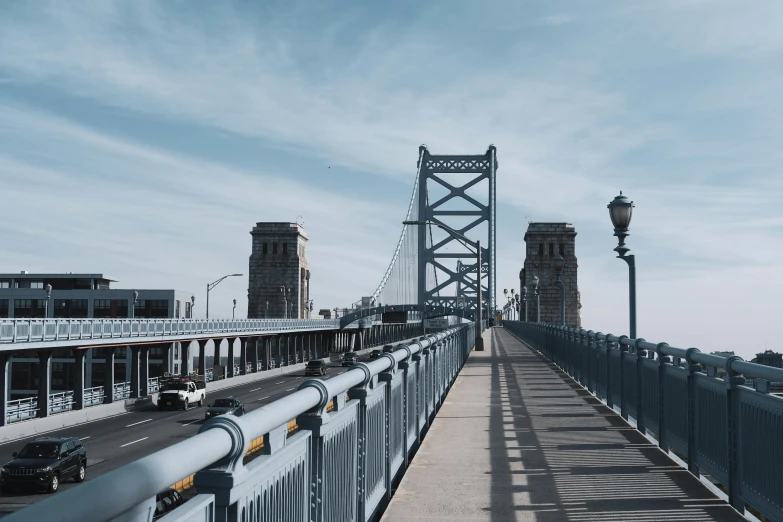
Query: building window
[(176, 309), (541, 249), (109, 308), (5, 283), (265, 249), (551, 249), (158, 308), (70, 308), (3, 307), (285, 249), (187, 310), (274, 248), (28, 283), (29, 308), (562, 250)]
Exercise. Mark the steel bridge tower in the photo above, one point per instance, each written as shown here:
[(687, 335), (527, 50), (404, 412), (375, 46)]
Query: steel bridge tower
[(465, 276)]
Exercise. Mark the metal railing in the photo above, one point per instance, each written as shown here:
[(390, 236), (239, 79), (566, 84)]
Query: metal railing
[(153, 384), (21, 409), (715, 413), (60, 402), (36, 330), (94, 396), (331, 450), (121, 390)]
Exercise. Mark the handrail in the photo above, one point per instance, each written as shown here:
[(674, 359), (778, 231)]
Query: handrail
[(118, 491)]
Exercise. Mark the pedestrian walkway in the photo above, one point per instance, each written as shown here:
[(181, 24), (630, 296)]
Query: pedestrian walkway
[(518, 440)]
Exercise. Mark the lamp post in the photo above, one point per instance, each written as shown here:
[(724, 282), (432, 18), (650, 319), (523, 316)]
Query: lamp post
[(133, 308), (519, 306), (233, 311), (192, 305), (285, 303), (479, 302), (48, 298), (210, 286), (266, 310), (620, 210), (534, 284), (512, 304), (558, 262), (524, 300)]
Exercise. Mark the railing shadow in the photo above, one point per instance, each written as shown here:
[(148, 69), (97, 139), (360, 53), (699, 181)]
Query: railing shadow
[(559, 454)]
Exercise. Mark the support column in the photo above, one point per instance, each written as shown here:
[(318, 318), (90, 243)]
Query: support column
[(166, 356), (268, 358), (277, 350), (108, 374), (5, 367), (134, 372), (243, 356), (44, 382), (78, 379), (144, 371), (185, 360), (253, 349), (202, 358), (230, 356)]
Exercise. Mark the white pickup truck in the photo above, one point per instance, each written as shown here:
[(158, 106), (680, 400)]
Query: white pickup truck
[(182, 392)]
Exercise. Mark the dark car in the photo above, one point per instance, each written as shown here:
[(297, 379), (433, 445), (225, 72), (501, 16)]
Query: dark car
[(349, 359), (44, 463), (315, 368), (375, 354), (167, 501), (389, 348), (227, 406)]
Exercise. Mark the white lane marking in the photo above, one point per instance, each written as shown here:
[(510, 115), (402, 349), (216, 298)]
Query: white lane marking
[(281, 382), (262, 398), (134, 442), (85, 438), (289, 389), (191, 422), (137, 423), (256, 389)]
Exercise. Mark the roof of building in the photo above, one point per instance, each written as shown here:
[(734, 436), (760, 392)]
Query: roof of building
[(24, 274)]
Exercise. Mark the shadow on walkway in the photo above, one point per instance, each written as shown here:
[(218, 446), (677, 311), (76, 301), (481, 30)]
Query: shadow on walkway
[(517, 439)]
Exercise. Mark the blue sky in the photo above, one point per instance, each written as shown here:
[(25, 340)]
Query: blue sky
[(145, 139)]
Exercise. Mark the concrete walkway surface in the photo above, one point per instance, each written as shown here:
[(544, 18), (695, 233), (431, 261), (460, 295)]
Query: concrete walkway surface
[(519, 440)]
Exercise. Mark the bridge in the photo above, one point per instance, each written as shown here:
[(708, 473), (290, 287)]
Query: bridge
[(512, 421)]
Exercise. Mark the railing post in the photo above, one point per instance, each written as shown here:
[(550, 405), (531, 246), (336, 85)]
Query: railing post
[(44, 382), (663, 359), (78, 381), (589, 357), (607, 347), (144, 371), (623, 400), (693, 369), (108, 375), (641, 355), (5, 365), (732, 379)]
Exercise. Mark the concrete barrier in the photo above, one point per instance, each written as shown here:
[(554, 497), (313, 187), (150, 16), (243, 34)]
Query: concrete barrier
[(33, 427)]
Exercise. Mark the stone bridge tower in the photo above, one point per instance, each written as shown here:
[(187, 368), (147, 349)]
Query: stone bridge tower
[(543, 241), (279, 278)]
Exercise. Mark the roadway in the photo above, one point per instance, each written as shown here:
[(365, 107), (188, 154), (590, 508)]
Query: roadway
[(119, 440)]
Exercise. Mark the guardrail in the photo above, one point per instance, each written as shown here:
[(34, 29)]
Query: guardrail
[(93, 396), (715, 412), (60, 402), (36, 330), (21, 409), (153, 384), (353, 434), (121, 390)]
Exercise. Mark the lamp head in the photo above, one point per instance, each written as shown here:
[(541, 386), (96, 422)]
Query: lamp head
[(558, 262), (235, 302), (517, 297), (192, 299), (505, 291), (48, 289), (534, 283), (524, 292), (135, 296), (620, 211)]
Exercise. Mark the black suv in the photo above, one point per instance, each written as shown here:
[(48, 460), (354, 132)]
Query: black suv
[(315, 368), (44, 463), (375, 354)]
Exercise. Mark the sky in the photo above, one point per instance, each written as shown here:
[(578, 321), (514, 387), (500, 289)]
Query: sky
[(143, 140)]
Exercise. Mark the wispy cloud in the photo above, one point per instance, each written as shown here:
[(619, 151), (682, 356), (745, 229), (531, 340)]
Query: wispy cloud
[(676, 104)]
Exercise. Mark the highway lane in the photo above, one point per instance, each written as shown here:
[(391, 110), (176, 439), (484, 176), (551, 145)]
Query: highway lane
[(116, 441)]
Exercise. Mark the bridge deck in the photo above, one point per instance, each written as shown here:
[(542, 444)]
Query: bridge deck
[(518, 440)]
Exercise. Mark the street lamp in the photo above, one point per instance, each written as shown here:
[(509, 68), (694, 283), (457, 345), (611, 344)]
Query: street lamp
[(524, 300), (285, 303), (210, 286), (519, 304), (512, 303), (233, 312), (477, 245), (192, 305), (266, 310), (133, 308), (534, 284), (558, 262), (620, 210), (48, 298)]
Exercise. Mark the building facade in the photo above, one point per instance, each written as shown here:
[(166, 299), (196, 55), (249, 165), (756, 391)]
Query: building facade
[(542, 242), (279, 278), (79, 296)]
